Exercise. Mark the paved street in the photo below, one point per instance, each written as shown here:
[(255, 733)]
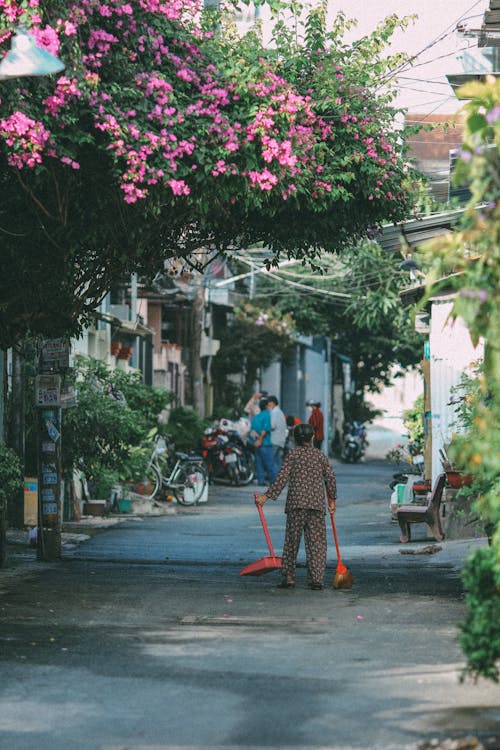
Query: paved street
[(145, 637)]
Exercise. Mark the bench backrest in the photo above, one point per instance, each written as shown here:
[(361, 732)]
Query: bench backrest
[(437, 492)]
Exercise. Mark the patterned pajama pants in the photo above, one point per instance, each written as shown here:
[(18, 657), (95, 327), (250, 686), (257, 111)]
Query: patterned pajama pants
[(312, 524)]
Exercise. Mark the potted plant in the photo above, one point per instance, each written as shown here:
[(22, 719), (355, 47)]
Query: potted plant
[(125, 352), (454, 476), (457, 479)]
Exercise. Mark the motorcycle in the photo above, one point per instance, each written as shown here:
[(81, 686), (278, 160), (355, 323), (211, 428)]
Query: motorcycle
[(355, 442), (227, 457)]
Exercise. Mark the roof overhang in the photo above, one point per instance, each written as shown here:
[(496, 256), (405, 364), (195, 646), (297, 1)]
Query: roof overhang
[(129, 327), (444, 291), (459, 79)]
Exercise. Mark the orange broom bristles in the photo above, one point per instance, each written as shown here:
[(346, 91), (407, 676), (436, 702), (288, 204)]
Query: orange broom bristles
[(343, 580)]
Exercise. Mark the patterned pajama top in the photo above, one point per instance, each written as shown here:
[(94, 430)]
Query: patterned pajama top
[(307, 471)]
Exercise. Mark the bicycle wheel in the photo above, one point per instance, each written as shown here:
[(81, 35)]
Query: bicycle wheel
[(152, 482), (189, 482)]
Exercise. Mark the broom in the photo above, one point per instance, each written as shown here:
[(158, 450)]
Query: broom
[(343, 578)]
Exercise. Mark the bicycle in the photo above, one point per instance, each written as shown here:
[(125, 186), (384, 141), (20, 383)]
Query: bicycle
[(187, 477)]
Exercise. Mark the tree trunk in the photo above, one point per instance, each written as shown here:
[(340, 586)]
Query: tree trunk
[(16, 432), (195, 370), (3, 520)]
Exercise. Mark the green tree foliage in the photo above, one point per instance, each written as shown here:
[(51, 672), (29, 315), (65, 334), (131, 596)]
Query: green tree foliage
[(480, 636), (470, 261), (414, 423), (355, 302), (185, 428), (253, 339), (167, 137)]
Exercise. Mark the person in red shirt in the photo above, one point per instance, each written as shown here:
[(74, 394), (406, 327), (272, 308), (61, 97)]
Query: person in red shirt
[(317, 422)]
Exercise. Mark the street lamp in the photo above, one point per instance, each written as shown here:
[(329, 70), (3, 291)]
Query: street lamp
[(26, 58)]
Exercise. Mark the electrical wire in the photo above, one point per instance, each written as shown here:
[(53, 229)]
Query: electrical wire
[(366, 280), (442, 36)]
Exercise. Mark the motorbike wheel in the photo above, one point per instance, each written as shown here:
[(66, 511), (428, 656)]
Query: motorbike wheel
[(184, 481), (246, 465), (348, 456), (234, 474)]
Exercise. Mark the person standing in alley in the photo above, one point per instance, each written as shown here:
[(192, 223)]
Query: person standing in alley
[(260, 433), (311, 481), (317, 422), (252, 406), (279, 431)]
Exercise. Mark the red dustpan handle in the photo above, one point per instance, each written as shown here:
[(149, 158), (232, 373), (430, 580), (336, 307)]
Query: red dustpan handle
[(266, 530)]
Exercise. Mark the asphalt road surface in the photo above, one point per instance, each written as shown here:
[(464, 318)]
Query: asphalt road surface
[(145, 637)]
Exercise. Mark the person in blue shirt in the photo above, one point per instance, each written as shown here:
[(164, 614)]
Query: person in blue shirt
[(260, 431)]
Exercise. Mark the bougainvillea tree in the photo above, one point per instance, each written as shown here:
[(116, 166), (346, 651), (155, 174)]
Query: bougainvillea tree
[(169, 136)]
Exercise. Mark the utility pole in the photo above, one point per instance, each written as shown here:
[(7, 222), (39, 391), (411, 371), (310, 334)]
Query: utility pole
[(17, 429)]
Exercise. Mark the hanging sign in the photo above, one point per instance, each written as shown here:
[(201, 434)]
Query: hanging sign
[(48, 390)]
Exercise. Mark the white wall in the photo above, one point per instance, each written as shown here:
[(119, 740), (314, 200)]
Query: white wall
[(451, 354), (388, 430)]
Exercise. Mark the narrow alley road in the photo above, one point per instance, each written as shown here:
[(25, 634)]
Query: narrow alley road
[(145, 637)]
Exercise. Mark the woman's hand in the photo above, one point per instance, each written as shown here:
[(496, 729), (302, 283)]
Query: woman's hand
[(260, 499), (332, 507)]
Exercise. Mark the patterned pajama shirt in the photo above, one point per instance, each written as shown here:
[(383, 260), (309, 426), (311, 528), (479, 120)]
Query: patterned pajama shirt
[(311, 481)]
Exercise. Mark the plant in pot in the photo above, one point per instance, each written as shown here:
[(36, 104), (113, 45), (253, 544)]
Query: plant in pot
[(455, 477)]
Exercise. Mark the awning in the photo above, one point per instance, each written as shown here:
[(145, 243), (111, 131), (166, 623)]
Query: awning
[(129, 327)]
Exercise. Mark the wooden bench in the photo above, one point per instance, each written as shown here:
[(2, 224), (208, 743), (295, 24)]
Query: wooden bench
[(429, 514)]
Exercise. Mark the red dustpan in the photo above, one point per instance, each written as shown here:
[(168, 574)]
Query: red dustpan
[(265, 564)]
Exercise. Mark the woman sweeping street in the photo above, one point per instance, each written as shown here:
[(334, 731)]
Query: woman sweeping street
[(310, 481)]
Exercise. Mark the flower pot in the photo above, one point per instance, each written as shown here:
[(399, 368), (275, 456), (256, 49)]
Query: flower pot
[(125, 352), (421, 488), (457, 480)]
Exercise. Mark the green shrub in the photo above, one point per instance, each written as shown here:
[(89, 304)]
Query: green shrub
[(480, 636), (414, 423), (115, 414), (11, 479), (186, 428)]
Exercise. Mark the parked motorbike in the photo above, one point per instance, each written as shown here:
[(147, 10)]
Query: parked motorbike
[(227, 457), (355, 442)]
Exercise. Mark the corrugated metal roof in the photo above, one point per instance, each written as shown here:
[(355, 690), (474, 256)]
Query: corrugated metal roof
[(490, 30), (408, 235)]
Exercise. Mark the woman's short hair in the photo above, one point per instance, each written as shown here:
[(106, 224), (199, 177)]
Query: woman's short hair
[(263, 404), (303, 433)]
